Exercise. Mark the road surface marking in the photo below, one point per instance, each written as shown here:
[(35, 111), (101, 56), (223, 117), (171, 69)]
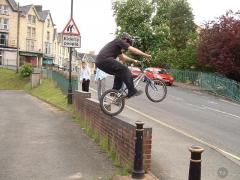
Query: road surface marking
[(225, 153), (226, 113), (186, 134), (212, 102)]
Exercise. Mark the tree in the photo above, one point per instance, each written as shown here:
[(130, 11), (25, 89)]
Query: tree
[(161, 27), (134, 17), (181, 24), (219, 46)]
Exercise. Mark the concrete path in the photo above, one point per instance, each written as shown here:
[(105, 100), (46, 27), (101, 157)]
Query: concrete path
[(41, 142)]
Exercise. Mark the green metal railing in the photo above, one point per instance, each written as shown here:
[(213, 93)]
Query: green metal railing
[(215, 83), (61, 80)]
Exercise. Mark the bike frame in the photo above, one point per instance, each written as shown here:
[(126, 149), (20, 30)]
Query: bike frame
[(137, 80)]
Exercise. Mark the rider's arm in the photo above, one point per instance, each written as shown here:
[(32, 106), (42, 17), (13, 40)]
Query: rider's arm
[(124, 57), (138, 52)]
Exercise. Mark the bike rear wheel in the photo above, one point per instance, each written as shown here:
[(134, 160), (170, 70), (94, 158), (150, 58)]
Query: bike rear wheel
[(156, 90), (112, 102)]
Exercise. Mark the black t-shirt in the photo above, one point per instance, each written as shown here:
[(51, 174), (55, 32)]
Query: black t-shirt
[(113, 49)]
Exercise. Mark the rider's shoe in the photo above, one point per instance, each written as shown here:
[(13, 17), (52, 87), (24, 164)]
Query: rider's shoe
[(134, 93)]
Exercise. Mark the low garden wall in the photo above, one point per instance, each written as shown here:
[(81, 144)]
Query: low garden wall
[(119, 132)]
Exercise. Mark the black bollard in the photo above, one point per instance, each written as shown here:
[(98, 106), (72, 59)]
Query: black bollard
[(195, 163), (138, 172)]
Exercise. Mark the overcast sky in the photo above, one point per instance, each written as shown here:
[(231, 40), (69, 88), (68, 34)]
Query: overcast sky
[(95, 21)]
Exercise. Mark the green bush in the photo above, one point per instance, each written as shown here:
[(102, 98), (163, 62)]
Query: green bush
[(26, 70), (171, 58)]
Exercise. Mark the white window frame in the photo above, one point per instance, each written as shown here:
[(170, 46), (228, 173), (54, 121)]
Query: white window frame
[(31, 19), (4, 23), (33, 32), (48, 35), (48, 23), (48, 48), (4, 9), (29, 29), (30, 45)]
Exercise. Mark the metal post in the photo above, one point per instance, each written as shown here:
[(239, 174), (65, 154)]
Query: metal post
[(195, 163), (70, 93), (138, 172), (18, 30)]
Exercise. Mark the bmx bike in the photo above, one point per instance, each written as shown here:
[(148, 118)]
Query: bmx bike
[(112, 101)]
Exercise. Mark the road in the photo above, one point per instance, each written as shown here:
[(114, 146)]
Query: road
[(188, 118)]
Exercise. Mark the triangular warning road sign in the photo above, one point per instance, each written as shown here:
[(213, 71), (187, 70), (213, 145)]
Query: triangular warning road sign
[(71, 28)]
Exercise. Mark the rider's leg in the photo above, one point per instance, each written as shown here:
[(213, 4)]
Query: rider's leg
[(117, 83), (121, 72)]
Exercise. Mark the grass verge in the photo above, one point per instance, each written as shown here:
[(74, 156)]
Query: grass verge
[(10, 80)]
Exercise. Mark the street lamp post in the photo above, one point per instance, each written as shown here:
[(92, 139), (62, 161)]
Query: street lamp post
[(18, 30), (70, 92)]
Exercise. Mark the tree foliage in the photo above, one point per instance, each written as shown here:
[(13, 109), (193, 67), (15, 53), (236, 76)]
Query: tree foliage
[(219, 46), (181, 24), (161, 27), (134, 16)]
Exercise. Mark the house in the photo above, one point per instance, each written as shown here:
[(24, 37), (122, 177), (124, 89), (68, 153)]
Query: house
[(47, 35), (31, 33), (60, 53), (8, 32)]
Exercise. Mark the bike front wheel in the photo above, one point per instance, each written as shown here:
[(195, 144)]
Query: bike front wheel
[(156, 90), (112, 102)]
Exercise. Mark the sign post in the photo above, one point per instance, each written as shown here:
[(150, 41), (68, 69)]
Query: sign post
[(71, 38)]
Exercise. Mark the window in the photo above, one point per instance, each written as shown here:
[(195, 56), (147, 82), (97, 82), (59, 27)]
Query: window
[(31, 33), (48, 47), (4, 9), (4, 23), (3, 39), (30, 45), (48, 23), (31, 19), (34, 33), (48, 35)]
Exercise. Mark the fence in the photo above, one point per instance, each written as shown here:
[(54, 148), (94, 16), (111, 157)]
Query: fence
[(61, 79), (214, 83)]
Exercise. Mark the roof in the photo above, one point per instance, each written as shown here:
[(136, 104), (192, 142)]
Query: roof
[(24, 9), (43, 14), (13, 4)]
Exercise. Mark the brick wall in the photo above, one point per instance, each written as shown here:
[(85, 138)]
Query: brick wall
[(120, 133)]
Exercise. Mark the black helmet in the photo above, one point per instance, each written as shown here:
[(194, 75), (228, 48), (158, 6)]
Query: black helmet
[(127, 37)]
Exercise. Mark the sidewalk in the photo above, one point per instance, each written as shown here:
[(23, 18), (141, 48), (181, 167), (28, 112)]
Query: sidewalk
[(187, 86), (40, 142)]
